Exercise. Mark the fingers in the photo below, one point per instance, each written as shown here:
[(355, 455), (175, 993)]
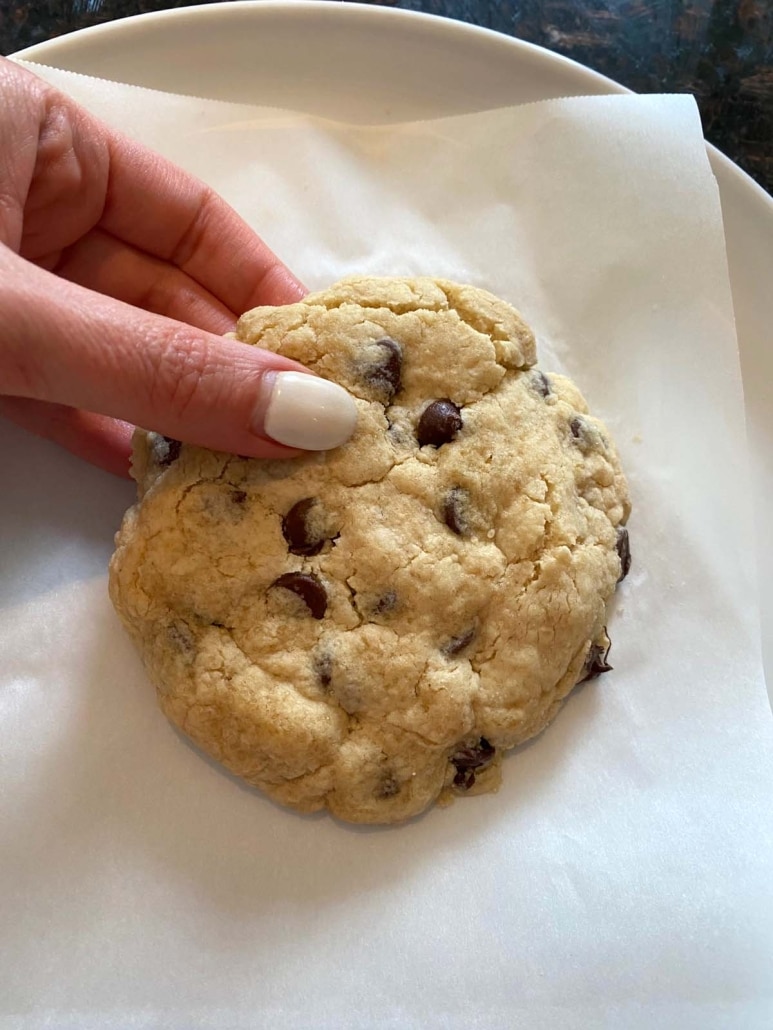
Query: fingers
[(101, 262), (57, 165), (109, 215), (159, 208), (70, 172), (102, 441), (62, 343)]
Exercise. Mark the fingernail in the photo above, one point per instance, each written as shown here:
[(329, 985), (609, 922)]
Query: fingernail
[(308, 412)]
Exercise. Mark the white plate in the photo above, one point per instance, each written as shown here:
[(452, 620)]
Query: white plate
[(376, 64)]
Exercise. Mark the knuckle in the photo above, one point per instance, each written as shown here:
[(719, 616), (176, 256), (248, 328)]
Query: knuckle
[(197, 230), (155, 295)]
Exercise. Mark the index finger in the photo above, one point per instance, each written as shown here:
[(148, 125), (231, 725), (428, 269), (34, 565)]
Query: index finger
[(163, 210)]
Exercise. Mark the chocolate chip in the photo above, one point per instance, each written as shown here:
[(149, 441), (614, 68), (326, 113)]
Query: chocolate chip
[(454, 508), (624, 551), (385, 604), (238, 496), (457, 644), (465, 779), (308, 587), (297, 529), (474, 757), (388, 787), (595, 662), (541, 383), (469, 760), (587, 435), (385, 373), (323, 667), (439, 423), (169, 453), (180, 637)]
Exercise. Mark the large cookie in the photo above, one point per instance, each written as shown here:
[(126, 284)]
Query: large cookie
[(369, 629)]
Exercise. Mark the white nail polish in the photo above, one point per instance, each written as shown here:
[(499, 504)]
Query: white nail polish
[(308, 412)]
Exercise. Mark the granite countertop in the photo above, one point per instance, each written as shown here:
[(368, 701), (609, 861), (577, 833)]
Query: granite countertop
[(719, 50)]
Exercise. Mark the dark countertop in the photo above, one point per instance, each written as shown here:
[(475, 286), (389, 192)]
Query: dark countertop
[(719, 50)]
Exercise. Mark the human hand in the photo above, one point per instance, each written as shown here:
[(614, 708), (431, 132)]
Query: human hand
[(118, 272)]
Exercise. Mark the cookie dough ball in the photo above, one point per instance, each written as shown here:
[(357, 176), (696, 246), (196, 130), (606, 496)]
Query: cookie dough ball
[(371, 628)]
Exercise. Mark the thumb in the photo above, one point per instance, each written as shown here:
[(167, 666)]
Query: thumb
[(62, 343)]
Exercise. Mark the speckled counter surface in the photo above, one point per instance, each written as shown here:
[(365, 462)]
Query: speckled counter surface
[(719, 50)]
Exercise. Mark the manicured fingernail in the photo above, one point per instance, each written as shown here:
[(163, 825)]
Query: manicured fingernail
[(308, 412)]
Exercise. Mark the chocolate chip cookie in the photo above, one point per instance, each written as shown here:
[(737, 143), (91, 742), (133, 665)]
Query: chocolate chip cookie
[(371, 628)]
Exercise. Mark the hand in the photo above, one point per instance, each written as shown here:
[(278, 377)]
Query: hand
[(118, 273)]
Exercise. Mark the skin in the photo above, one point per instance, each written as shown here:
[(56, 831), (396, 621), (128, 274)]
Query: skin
[(119, 273)]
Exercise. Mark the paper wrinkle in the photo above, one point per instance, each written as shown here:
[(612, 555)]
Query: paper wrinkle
[(622, 875)]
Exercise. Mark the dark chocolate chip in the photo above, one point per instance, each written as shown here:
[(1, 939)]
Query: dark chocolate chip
[(385, 374), (169, 453), (465, 779), (587, 435), (439, 423), (323, 666), (385, 604), (474, 757), (388, 787), (308, 587), (180, 637), (454, 507), (457, 644), (624, 551), (595, 662), (541, 383), (297, 531), (238, 496), (469, 760)]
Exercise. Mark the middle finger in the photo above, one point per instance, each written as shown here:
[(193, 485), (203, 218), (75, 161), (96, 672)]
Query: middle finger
[(114, 268)]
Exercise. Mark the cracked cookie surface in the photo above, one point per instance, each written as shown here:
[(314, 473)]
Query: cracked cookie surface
[(369, 629)]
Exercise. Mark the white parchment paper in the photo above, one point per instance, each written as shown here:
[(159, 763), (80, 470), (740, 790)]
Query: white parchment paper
[(622, 876)]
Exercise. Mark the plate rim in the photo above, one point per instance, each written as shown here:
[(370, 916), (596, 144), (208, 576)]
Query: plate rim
[(722, 165)]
